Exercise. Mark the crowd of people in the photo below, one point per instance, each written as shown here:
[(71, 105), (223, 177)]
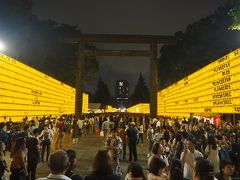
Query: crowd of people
[(177, 149)]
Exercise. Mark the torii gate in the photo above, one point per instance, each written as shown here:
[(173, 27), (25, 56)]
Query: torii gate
[(151, 40)]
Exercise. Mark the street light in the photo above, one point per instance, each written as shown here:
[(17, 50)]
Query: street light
[(2, 46)]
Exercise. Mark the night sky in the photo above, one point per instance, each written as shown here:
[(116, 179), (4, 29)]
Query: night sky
[(151, 17)]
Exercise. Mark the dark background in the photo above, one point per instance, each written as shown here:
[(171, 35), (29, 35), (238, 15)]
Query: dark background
[(153, 17)]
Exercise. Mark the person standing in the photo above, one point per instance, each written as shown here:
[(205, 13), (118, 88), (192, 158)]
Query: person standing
[(61, 128), (114, 146), (102, 167), (105, 129), (156, 169), (75, 132), (80, 125), (140, 139), (122, 135), (227, 170), (18, 165), (3, 163), (73, 163), (131, 136), (58, 165), (211, 152), (47, 136), (150, 134), (188, 158), (33, 154)]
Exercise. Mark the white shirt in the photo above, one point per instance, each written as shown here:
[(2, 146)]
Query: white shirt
[(80, 123), (189, 163), (158, 124), (141, 129), (52, 176), (50, 134)]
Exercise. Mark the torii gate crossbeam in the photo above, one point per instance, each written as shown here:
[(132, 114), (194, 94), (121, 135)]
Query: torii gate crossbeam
[(151, 40)]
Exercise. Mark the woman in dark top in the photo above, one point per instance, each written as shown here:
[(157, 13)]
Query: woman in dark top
[(176, 170), (18, 165), (179, 146), (203, 170), (135, 171), (33, 154), (102, 167)]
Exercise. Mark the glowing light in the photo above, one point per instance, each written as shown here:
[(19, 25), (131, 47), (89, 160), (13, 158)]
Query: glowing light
[(24, 91), (212, 89), (2, 46)]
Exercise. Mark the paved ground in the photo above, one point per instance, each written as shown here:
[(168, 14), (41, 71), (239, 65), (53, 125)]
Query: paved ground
[(86, 148)]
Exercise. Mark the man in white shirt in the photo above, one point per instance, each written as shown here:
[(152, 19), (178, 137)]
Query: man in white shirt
[(58, 165), (188, 157), (80, 125)]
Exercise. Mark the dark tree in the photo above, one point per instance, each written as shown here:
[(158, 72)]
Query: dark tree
[(102, 94), (201, 43), (235, 13), (141, 92), (38, 44)]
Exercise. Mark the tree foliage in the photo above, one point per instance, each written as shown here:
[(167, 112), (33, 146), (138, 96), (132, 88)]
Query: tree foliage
[(102, 94), (235, 13), (201, 43), (38, 42), (140, 93)]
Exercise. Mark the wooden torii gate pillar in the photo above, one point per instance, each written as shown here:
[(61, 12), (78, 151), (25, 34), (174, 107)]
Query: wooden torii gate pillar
[(79, 80), (152, 41), (154, 79)]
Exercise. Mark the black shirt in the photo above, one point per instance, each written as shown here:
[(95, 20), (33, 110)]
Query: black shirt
[(132, 135), (31, 145), (73, 176)]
